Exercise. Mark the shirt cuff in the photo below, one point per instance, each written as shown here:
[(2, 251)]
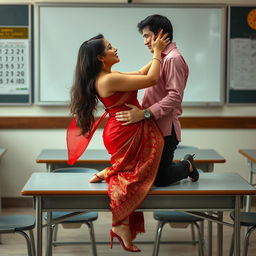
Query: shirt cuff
[(156, 110)]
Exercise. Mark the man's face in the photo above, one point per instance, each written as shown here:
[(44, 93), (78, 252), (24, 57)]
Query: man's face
[(147, 36)]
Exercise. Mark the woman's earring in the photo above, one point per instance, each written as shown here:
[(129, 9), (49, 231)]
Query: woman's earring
[(103, 64)]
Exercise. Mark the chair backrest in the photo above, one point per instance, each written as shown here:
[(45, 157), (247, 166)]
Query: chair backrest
[(76, 170), (186, 147)]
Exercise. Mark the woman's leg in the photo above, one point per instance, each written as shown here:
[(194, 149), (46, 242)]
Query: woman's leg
[(123, 231)]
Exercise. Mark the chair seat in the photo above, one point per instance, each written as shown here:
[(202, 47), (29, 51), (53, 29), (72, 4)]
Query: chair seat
[(17, 222), (85, 217), (246, 218), (175, 216)]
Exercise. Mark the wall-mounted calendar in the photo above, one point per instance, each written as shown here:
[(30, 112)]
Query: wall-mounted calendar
[(15, 54), (241, 87)]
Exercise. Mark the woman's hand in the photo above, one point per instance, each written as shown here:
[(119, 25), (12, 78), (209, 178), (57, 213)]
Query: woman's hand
[(160, 41)]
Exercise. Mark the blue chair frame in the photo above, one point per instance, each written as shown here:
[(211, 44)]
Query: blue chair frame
[(19, 224), (247, 219)]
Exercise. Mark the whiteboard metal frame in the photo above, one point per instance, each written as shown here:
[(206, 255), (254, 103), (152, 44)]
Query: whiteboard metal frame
[(38, 5)]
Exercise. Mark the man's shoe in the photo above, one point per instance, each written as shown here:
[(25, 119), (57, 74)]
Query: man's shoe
[(194, 175)]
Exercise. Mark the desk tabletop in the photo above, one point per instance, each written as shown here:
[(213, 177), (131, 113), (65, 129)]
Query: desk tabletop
[(102, 156), (249, 153), (78, 184), (2, 152)]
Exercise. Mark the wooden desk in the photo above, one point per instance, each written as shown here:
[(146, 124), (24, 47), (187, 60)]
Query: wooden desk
[(99, 158), (250, 154), (73, 192)]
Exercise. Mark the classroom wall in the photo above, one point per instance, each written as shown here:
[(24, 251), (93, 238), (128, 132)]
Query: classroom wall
[(24, 145)]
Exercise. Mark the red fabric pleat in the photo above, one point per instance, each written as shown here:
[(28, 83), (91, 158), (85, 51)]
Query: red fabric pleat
[(77, 143), (136, 223)]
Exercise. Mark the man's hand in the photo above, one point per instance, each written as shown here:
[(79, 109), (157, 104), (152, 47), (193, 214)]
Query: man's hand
[(131, 116)]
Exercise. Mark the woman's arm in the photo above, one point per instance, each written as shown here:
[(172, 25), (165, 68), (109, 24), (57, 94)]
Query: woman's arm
[(113, 82), (142, 71), (118, 82)]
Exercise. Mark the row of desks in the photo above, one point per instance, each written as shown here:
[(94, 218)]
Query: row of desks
[(214, 192), (73, 192), (99, 158)]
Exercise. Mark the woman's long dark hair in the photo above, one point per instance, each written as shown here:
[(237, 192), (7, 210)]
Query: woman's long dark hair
[(83, 93)]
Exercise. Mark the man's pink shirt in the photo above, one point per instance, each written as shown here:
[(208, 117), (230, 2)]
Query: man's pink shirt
[(165, 98)]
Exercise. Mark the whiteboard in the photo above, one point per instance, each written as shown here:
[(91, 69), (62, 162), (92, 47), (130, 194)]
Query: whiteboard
[(60, 29)]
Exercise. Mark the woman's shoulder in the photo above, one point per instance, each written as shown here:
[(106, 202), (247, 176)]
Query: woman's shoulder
[(107, 78), (103, 86)]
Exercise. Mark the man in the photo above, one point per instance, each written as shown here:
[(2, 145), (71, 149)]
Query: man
[(163, 102)]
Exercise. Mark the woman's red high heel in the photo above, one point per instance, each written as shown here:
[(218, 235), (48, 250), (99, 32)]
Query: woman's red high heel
[(113, 234)]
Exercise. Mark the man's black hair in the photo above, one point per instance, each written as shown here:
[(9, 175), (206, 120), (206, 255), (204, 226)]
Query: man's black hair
[(155, 23)]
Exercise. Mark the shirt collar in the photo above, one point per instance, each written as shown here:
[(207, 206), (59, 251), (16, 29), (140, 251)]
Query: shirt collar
[(169, 48)]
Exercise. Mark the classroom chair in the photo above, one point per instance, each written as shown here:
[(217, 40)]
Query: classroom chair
[(19, 224), (247, 219), (177, 217), (85, 218)]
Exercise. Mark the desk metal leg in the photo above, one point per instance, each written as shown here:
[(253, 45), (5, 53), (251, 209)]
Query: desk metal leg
[(220, 234), (49, 167), (205, 167), (39, 226), (49, 235), (202, 231), (210, 167), (237, 226), (248, 198), (209, 237)]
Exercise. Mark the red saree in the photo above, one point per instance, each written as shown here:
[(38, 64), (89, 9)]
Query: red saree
[(135, 151)]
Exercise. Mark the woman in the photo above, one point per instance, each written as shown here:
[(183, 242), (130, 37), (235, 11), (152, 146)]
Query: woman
[(135, 149)]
